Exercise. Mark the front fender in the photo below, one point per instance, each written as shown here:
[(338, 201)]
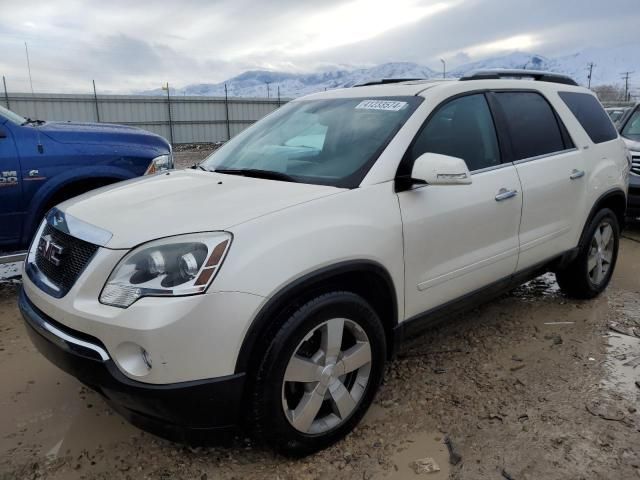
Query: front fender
[(53, 185)]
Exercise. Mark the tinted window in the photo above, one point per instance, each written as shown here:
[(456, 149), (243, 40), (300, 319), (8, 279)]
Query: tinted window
[(532, 124), (591, 116), (461, 128), (632, 126)]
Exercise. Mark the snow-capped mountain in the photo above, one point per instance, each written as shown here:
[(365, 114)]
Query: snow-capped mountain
[(609, 63), (254, 82)]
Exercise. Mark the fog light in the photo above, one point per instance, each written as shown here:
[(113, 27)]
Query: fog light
[(133, 359)]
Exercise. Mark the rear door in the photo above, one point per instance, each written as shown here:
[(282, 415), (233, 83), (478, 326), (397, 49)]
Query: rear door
[(551, 172), (10, 188), (459, 238)]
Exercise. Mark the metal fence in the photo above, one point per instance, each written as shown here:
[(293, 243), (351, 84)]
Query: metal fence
[(179, 119)]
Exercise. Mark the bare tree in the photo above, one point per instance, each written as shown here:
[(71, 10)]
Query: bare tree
[(609, 93)]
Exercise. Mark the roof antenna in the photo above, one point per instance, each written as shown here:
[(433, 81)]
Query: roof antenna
[(35, 103)]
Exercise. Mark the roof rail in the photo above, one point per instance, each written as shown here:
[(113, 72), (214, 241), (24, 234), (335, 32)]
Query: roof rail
[(383, 81), (538, 75)]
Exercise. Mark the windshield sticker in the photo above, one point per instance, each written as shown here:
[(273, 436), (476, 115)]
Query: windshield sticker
[(387, 105)]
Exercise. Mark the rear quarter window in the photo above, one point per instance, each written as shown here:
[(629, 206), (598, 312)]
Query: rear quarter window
[(591, 115)]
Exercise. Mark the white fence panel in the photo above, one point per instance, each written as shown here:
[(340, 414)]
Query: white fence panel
[(191, 120)]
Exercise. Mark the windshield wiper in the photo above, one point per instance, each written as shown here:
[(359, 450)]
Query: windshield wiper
[(257, 173), (198, 165)]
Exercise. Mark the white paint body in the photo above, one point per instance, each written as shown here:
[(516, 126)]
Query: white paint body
[(437, 242)]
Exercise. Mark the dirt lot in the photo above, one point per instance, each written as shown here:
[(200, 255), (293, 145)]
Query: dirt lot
[(532, 386), (188, 155)]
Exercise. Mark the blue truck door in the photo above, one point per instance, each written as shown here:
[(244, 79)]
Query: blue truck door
[(11, 212)]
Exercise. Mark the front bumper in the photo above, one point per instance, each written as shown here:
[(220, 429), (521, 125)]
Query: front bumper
[(185, 411)]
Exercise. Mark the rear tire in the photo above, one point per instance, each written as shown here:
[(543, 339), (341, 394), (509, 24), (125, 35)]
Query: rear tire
[(319, 374), (590, 272)]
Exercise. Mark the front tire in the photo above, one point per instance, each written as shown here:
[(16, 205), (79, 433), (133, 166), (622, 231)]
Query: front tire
[(590, 272), (319, 374)]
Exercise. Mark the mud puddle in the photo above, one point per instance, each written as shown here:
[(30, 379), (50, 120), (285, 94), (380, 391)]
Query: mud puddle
[(47, 416), (623, 365)]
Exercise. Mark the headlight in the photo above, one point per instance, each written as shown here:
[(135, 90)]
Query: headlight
[(161, 163), (169, 267)]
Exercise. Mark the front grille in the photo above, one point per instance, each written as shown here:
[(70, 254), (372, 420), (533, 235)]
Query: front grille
[(635, 164), (75, 256)]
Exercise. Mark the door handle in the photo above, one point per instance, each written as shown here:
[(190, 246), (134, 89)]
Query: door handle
[(504, 194), (575, 174)]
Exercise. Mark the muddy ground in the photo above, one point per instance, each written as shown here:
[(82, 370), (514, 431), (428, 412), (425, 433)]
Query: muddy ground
[(531, 386), (185, 156)]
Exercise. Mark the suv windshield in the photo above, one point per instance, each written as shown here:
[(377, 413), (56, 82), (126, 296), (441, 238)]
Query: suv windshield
[(327, 142), (631, 128), (11, 116)]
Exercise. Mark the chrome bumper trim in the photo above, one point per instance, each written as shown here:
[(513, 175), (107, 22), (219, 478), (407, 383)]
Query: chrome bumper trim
[(62, 339)]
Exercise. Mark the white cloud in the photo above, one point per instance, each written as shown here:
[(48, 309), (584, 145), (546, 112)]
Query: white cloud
[(131, 45), (517, 42)]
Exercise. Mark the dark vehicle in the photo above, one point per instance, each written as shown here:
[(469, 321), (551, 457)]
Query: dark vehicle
[(44, 163), (630, 131)]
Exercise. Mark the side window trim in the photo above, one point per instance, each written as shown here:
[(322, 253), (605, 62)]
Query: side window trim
[(503, 129), (545, 155), (491, 168), (406, 164)]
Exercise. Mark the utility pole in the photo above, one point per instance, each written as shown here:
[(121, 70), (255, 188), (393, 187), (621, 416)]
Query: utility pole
[(226, 106), (625, 76), (278, 95), (6, 95), (590, 65), (95, 99), (268, 93), (444, 68)]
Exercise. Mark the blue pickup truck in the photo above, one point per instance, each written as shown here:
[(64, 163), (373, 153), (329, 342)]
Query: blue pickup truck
[(44, 163)]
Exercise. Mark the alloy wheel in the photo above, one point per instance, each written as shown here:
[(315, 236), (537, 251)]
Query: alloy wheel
[(600, 253), (326, 376)]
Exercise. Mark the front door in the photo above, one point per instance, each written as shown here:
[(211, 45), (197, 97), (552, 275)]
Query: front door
[(459, 238), (10, 189)]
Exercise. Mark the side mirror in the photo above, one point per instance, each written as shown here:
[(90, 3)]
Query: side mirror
[(436, 169)]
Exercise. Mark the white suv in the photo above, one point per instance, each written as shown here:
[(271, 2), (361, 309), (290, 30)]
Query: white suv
[(267, 288)]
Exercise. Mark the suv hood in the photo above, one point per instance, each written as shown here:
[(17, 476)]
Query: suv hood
[(102, 133), (185, 201)]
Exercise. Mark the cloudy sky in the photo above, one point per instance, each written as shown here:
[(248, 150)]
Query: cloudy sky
[(128, 45)]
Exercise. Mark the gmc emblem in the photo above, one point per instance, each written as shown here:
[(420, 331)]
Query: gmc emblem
[(50, 250)]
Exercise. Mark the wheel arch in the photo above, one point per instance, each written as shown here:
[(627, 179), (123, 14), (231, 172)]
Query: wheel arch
[(615, 200), (366, 278)]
